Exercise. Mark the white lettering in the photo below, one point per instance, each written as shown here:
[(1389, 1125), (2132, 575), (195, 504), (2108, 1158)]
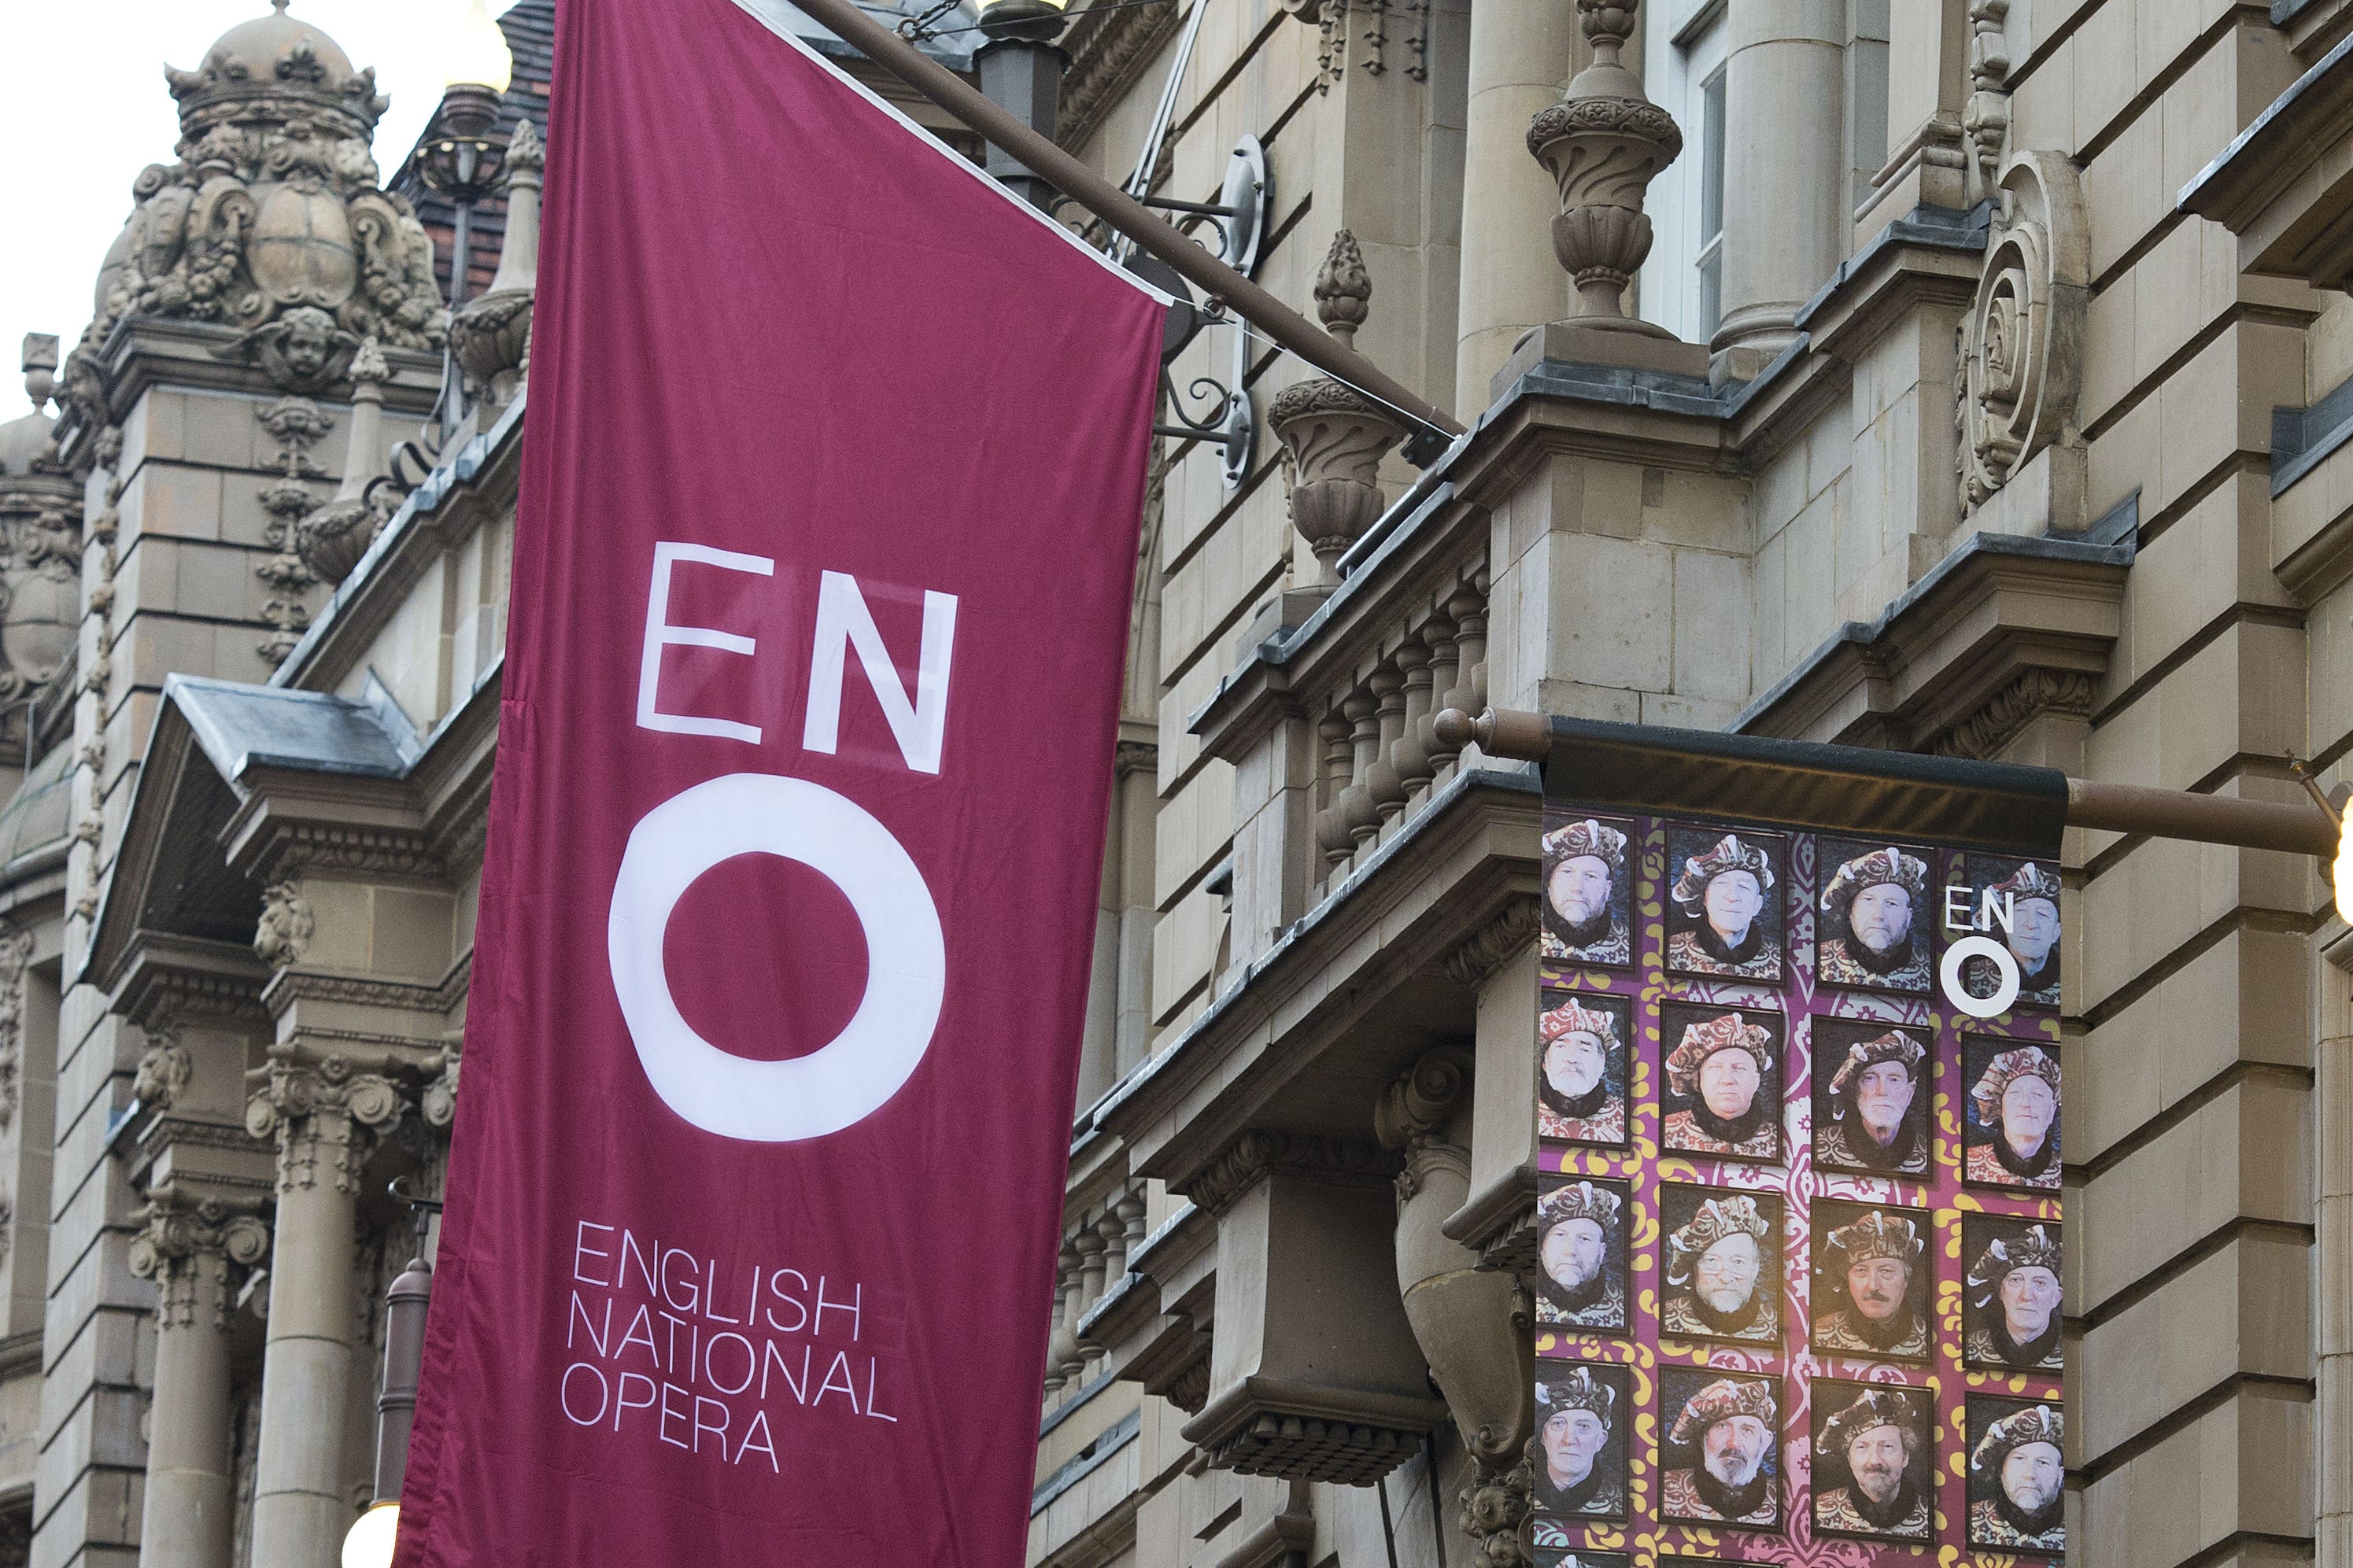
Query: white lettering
[(625, 1403), (2002, 912), (580, 1310), (843, 622), (758, 1429), (580, 1249), (711, 1355), (1957, 906), (2005, 991), (857, 1297), (564, 1394), (854, 1074), (660, 634)]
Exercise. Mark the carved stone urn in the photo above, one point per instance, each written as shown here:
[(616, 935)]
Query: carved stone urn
[(1602, 145), (331, 538), (490, 334), (1336, 435)]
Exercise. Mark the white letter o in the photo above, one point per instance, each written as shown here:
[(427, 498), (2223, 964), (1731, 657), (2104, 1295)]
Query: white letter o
[(2004, 993), (852, 1075)]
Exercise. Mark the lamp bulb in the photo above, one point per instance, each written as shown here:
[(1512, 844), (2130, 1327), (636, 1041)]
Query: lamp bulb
[(2341, 873), (476, 54), (369, 1545)]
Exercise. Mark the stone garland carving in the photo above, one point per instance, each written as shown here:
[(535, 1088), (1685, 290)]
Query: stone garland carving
[(183, 1244), (1603, 144), (285, 927), (1494, 944), (1109, 48), (1983, 735), (318, 1106), (1493, 1508), (1333, 435), (2022, 344), (15, 957), (271, 220), (97, 678), (1985, 119), (297, 424)]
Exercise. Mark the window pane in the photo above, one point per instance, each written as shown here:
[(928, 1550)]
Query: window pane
[(1711, 166), (1710, 295)]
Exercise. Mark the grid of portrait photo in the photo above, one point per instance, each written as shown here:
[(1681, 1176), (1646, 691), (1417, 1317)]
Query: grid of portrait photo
[(1797, 1225)]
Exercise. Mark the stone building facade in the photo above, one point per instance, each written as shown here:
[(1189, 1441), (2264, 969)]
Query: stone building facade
[(1962, 376)]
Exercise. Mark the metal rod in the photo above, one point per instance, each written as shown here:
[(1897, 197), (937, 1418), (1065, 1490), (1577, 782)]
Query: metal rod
[(2108, 807), (2200, 818), (1122, 212)]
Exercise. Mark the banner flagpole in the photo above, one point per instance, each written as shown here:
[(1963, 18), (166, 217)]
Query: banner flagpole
[(1124, 213)]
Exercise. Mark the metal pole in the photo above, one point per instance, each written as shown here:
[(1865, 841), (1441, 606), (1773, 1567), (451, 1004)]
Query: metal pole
[(1122, 212), (2109, 807)]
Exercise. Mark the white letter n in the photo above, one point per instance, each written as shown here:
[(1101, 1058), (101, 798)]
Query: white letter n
[(843, 622)]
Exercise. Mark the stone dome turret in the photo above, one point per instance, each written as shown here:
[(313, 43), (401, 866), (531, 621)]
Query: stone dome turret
[(276, 68)]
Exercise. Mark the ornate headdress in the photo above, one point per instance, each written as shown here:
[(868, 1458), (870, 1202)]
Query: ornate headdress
[(1598, 839), (1717, 1218), (1877, 1407), (2028, 882), (1721, 1401), (1574, 1017), (1894, 1046), (2040, 1424), (1878, 1234), (1580, 1390), (1579, 1199), (2027, 1061), (1890, 866), (1727, 1032), (2038, 1248), (1729, 855)]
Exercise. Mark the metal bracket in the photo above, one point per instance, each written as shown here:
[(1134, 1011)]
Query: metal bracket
[(1238, 217)]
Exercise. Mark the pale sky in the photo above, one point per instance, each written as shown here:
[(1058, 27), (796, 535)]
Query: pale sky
[(83, 108)]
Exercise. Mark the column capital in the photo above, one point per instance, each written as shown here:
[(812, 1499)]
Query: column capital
[(186, 1239), (332, 1102)]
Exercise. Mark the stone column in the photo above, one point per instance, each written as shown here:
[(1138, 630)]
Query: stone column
[(187, 1248), (322, 1111), (1785, 111), (1520, 59)]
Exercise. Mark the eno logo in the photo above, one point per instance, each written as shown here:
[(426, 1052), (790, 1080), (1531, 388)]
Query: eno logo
[(854, 1074), (2001, 910)]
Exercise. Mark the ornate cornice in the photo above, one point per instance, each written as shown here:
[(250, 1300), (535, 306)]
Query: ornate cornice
[(294, 983), (1250, 1158), (1109, 51), (303, 848)]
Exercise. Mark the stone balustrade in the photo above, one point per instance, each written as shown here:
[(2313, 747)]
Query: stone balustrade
[(1379, 758), (1096, 1242)]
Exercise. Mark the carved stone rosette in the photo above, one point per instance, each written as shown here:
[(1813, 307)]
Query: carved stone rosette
[(1602, 145), (271, 219), (320, 1107), (1333, 435), (2023, 343), (185, 1244)]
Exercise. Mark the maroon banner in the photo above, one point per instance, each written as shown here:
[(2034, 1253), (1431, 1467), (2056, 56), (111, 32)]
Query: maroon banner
[(821, 585)]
